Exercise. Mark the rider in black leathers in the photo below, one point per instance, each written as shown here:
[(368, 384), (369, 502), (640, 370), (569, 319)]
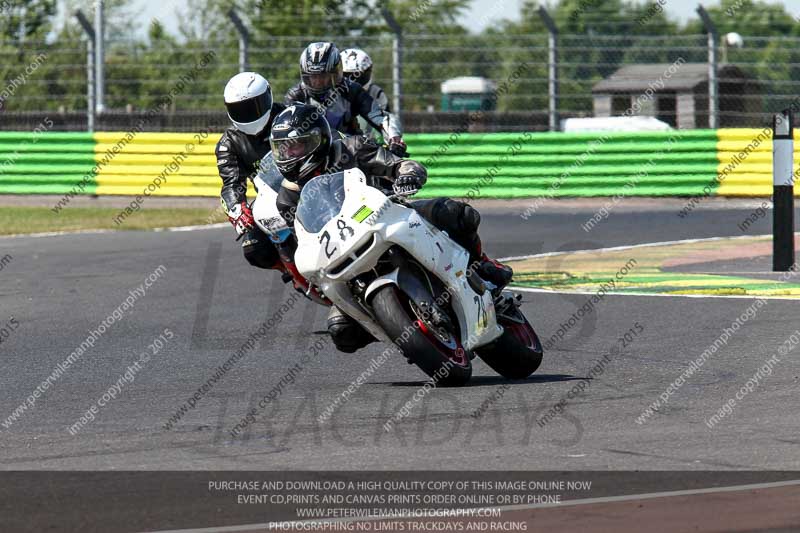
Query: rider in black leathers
[(304, 147), (323, 84), (248, 98)]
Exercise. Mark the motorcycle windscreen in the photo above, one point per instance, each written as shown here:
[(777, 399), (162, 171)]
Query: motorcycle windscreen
[(269, 173), (320, 201)]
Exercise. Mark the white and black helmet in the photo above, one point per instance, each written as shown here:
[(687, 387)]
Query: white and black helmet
[(320, 68), (248, 98), (357, 66)]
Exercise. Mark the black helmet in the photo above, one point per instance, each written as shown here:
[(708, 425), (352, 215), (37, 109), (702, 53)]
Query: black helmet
[(320, 68), (300, 140)]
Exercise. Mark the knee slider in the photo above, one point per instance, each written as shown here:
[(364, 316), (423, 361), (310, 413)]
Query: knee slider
[(261, 255), (339, 325), (452, 212), (347, 335), (470, 218)]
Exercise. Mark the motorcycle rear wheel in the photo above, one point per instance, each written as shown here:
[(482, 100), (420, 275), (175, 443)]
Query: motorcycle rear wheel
[(438, 353), (517, 353)]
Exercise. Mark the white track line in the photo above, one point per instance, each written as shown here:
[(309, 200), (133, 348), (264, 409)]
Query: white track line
[(646, 294), (101, 231), (632, 247), (514, 288), (58, 233), (567, 503), (195, 228)]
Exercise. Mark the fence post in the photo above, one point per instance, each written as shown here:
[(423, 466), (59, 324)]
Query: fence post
[(782, 192), (397, 60), (713, 82), (244, 39), (552, 67), (90, 102), (100, 58)]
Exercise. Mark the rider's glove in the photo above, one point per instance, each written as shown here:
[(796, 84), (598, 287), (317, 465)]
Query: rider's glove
[(408, 184), (398, 147), (242, 218)]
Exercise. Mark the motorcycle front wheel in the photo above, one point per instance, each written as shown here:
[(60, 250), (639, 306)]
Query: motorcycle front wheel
[(436, 351)]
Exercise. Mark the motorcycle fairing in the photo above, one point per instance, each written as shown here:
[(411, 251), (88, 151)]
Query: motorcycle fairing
[(345, 248)]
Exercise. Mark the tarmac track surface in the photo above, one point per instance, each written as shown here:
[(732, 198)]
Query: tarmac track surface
[(57, 289)]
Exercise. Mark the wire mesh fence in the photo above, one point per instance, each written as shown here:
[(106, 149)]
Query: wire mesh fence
[(598, 75)]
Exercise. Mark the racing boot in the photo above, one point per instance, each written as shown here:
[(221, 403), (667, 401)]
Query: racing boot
[(348, 335), (494, 272)]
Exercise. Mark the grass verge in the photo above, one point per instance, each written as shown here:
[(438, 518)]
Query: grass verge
[(17, 220)]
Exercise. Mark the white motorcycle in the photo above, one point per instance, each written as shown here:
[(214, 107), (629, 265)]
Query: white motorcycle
[(265, 212), (407, 282)]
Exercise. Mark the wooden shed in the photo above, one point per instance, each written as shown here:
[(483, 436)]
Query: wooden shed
[(677, 94)]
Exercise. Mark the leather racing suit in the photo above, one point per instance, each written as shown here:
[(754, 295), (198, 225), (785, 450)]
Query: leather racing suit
[(344, 104), (238, 156)]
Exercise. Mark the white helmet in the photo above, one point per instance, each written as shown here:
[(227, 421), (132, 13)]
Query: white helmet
[(248, 98), (357, 66)]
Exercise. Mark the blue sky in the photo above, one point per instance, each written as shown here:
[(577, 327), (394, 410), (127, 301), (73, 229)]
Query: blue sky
[(483, 12)]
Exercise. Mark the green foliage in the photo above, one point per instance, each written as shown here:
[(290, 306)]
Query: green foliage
[(749, 17), (596, 37), (22, 20)]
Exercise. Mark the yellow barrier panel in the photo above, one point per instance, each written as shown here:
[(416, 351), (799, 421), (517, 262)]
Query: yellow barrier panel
[(111, 137), (166, 169), (157, 164), (150, 149), (745, 162)]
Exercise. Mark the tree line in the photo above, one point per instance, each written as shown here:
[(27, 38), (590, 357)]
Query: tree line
[(596, 37)]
